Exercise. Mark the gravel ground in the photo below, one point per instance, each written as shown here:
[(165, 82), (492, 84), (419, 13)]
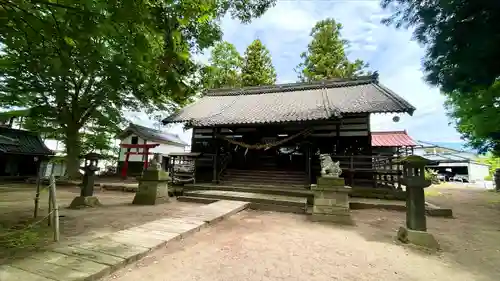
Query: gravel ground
[(256, 245)]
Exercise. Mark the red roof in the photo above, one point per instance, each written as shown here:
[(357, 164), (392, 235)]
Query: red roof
[(392, 139)]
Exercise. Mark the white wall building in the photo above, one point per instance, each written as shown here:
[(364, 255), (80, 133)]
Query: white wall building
[(452, 162), (136, 134)]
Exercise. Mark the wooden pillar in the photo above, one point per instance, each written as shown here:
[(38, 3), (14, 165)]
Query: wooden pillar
[(215, 139), (125, 165), (351, 174), (146, 154), (337, 134), (309, 164)]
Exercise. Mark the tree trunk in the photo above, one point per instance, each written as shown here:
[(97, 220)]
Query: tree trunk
[(73, 148)]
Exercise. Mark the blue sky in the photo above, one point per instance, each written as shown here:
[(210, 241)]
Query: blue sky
[(285, 30)]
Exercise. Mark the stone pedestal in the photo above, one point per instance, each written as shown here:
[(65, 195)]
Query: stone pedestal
[(419, 238), (153, 188), (331, 201), (84, 201)]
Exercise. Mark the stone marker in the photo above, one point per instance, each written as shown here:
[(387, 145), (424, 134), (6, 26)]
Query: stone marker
[(415, 231), (87, 198), (153, 185), (331, 196)]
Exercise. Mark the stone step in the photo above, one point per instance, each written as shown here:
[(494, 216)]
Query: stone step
[(265, 177), (252, 205), (256, 183), (264, 189), (275, 172), (266, 199)]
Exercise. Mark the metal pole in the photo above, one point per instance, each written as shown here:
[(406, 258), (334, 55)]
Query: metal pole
[(55, 207)]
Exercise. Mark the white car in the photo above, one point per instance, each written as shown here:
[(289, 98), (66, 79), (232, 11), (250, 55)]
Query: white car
[(461, 178)]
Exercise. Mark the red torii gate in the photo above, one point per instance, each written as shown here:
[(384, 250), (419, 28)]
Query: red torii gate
[(145, 152)]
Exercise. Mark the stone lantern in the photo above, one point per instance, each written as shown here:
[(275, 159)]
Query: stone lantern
[(416, 225), (87, 198)]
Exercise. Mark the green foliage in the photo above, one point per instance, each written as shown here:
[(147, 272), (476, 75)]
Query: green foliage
[(326, 57), (75, 63), (477, 117), (225, 67), (462, 39), (6, 115), (493, 161), (257, 66), (431, 175), (488, 178), (22, 237)]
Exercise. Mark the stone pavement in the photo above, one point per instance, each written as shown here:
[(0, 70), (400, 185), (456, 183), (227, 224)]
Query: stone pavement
[(98, 257)]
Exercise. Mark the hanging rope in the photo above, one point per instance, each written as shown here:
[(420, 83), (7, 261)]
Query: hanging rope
[(265, 146)]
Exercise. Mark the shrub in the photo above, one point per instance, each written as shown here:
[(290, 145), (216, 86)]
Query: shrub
[(488, 178), (432, 176)]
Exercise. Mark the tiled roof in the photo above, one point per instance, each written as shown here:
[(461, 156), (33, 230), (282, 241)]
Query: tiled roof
[(392, 139), (13, 141), (152, 135), (291, 102)]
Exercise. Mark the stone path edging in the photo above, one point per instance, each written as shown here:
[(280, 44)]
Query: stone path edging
[(101, 256)]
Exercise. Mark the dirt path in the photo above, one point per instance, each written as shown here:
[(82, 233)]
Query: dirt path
[(275, 246)]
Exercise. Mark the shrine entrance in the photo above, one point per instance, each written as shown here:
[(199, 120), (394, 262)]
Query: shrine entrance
[(141, 149)]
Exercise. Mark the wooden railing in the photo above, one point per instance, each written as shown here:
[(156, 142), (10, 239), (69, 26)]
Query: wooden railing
[(182, 168), (374, 170)]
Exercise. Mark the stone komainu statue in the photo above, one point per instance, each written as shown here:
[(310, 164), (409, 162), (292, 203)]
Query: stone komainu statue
[(328, 167), (155, 163)]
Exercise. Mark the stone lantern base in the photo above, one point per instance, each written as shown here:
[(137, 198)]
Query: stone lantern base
[(419, 238), (331, 201), (84, 201), (153, 188)]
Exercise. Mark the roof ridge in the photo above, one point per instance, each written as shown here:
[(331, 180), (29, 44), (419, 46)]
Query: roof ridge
[(136, 128), (152, 129), (395, 97), (390, 132), (329, 83)]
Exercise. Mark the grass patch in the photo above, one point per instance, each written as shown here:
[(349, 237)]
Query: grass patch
[(431, 193), (17, 239)]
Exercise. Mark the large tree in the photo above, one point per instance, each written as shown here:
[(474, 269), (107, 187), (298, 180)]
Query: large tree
[(257, 66), (462, 38), (224, 69), (326, 56), (477, 117), (82, 62)]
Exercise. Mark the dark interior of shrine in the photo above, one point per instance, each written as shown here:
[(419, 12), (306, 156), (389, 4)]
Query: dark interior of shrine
[(292, 146)]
